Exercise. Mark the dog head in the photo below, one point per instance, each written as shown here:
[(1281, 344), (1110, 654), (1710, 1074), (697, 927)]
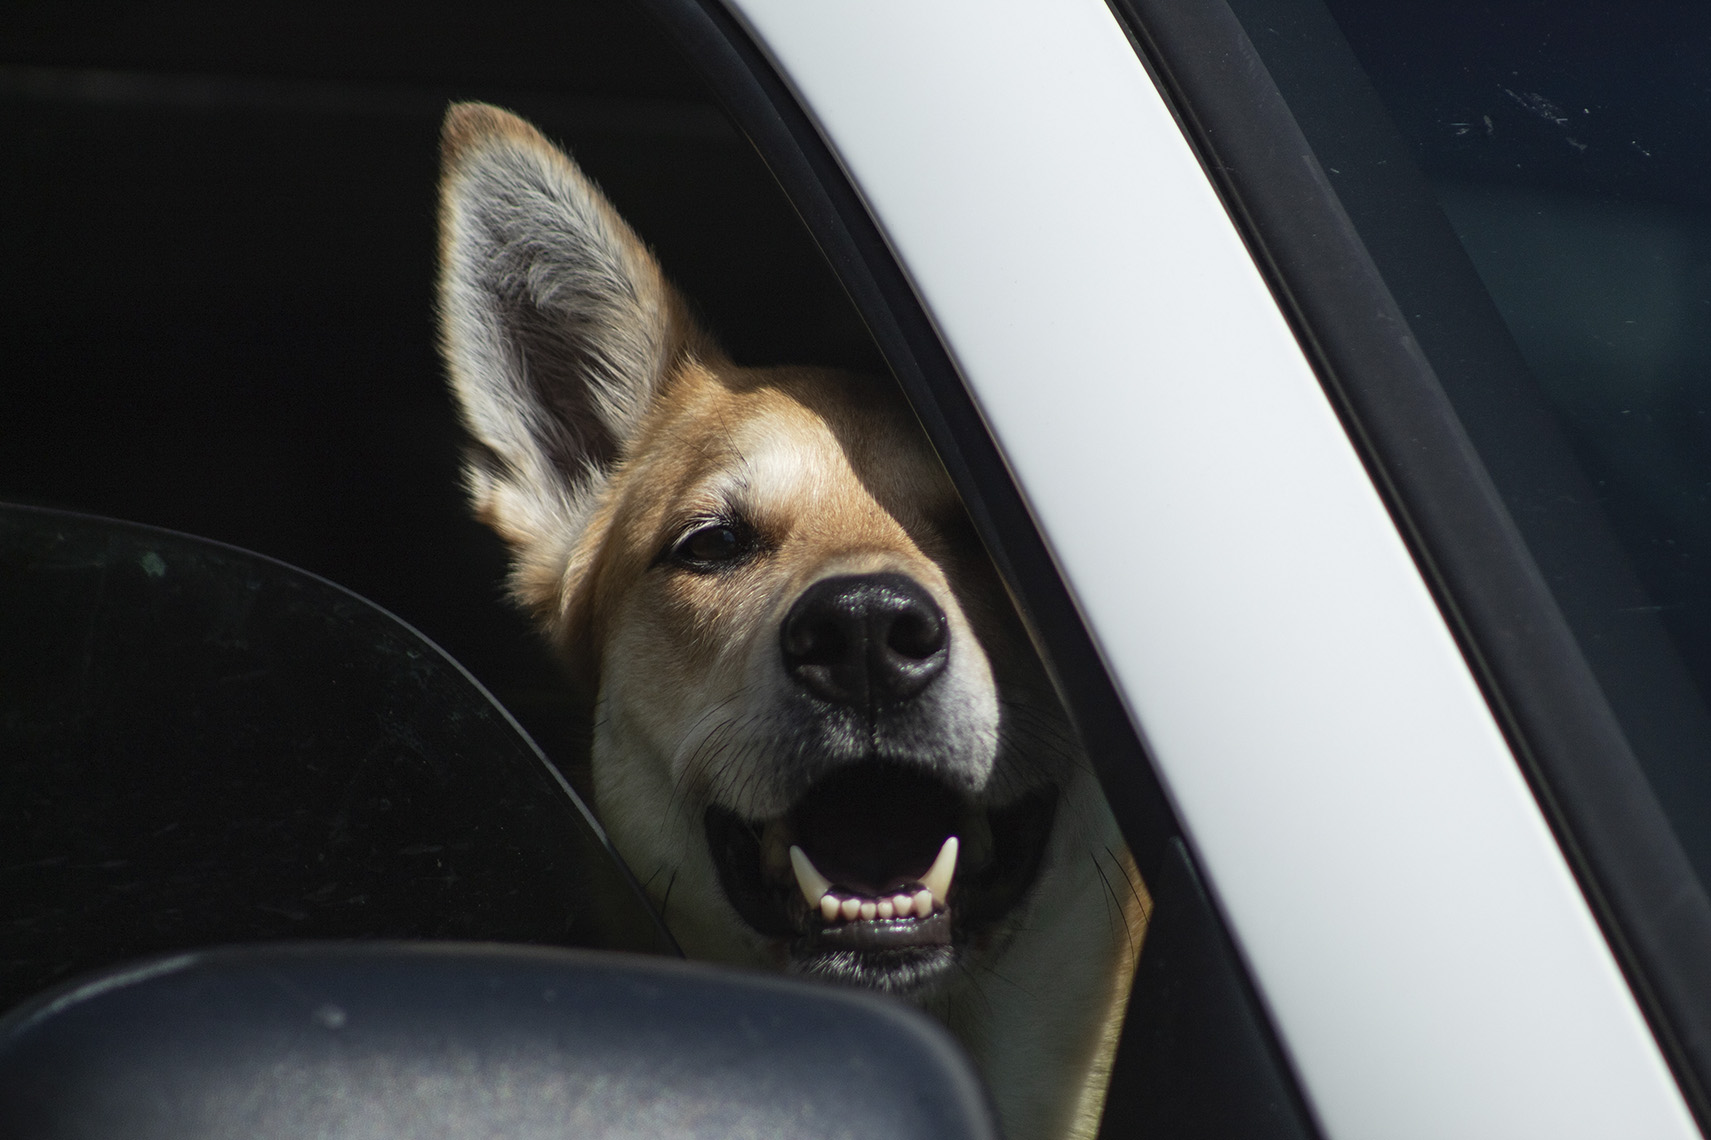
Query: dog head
[(821, 740)]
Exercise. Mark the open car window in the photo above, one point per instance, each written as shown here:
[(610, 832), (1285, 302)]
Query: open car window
[(220, 266), (219, 280)]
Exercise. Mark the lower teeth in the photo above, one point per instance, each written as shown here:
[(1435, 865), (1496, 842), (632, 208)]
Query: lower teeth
[(837, 908), (920, 903)]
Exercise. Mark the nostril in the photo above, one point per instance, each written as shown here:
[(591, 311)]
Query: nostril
[(916, 633), (815, 639)]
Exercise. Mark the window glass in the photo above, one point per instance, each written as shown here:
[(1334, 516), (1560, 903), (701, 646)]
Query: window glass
[(1529, 180), (1569, 146)]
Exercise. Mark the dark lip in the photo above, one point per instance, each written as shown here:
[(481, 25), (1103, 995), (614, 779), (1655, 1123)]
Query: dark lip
[(902, 815), (883, 934)]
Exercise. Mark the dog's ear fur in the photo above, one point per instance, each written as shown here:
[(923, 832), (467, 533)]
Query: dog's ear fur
[(557, 326)]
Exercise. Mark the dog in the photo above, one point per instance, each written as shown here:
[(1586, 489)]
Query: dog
[(821, 738)]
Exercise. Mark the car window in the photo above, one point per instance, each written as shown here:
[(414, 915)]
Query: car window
[(1568, 154)]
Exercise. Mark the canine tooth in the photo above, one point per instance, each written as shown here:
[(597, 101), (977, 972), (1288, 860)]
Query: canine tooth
[(938, 876), (885, 909), (850, 908), (923, 902), (829, 907), (903, 905), (869, 910), (814, 885)]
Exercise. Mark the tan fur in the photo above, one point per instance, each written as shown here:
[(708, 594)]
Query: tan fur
[(835, 478)]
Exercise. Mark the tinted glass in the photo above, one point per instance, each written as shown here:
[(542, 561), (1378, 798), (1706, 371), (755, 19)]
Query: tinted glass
[(1529, 180), (1508, 213), (1569, 145)]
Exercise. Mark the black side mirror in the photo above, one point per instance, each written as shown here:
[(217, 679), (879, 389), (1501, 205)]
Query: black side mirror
[(371, 1041)]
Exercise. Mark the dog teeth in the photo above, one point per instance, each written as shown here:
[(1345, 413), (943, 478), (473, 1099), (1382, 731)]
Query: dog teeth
[(813, 884), (935, 889), (938, 876)]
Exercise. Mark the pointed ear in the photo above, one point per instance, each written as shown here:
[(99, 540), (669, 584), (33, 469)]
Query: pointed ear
[(557, 327)]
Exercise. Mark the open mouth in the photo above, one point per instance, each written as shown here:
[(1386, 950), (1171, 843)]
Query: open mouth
[(880, 875)]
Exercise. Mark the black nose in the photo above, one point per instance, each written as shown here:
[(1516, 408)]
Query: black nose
[(865, 639)]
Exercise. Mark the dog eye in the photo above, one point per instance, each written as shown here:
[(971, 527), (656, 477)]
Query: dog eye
[(714, 544)]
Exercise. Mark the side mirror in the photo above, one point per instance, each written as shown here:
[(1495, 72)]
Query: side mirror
[(374, 1041)]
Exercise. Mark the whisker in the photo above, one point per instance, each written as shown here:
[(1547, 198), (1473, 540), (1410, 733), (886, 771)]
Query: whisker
[(1116, 902), (1142, 899)]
